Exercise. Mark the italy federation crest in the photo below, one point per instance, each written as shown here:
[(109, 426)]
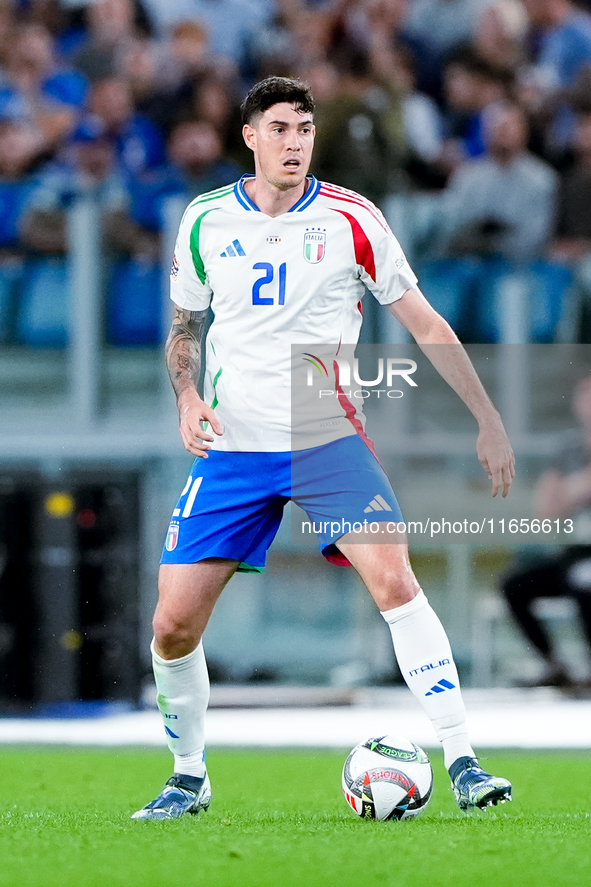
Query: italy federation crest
[(172, 537), (314, 245)]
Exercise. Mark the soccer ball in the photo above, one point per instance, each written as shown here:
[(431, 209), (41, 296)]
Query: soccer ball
[(388, 777)]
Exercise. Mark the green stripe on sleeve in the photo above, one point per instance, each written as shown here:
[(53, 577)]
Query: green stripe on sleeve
[(215, 400), (194, 243), (212, 195), (217, 195), (215, 382)]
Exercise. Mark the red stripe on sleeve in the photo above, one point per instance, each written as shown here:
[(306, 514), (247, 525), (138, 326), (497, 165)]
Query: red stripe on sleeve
[(363, 249), (336, 193)]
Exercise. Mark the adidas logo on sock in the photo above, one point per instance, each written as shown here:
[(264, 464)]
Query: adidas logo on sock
[(441, 687), (233, 249), (377, 504)]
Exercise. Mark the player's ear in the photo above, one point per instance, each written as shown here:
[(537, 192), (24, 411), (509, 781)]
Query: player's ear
[(249, 135)]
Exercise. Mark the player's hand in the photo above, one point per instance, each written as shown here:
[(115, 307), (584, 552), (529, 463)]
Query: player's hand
[(192, 412), (496, 455)]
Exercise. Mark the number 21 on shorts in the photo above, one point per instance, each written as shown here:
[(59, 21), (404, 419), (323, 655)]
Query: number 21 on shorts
[(189, 494)]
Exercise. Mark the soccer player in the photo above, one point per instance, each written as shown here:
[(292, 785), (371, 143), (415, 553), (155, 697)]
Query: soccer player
[(284, 259)]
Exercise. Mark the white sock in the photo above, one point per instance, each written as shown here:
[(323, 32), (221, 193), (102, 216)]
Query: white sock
[(426, 662), (183, 696)]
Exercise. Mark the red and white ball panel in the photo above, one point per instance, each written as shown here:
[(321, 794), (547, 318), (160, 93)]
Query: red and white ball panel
[(387, 777)]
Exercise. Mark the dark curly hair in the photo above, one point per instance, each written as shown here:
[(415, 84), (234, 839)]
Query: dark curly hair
[(273, 90)]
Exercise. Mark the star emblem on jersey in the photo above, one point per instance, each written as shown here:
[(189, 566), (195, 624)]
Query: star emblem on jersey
[(314, 245), (232, 250)]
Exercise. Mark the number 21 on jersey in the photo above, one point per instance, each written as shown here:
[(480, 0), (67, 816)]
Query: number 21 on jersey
[(268, 279)]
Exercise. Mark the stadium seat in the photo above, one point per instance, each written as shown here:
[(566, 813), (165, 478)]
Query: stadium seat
[(472, 292), (551, 284), (415, 219), (43, 313), (10, 278), (135, 303), (451, 285)]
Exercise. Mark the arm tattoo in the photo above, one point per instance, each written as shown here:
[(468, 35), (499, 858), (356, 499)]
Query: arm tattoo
[(184, 349)]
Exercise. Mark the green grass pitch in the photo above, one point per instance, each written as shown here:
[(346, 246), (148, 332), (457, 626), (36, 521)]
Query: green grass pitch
[(278, 819)]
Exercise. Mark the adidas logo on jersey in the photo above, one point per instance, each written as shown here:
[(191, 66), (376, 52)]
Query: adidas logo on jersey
[(377, 504), (233, 249)]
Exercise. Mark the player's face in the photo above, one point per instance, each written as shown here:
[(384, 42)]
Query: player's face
[(282, 140)]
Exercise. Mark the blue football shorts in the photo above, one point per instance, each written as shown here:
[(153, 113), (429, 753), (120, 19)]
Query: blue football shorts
[(232, 503)]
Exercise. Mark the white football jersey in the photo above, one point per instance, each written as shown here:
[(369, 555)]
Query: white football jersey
[(294, 280)]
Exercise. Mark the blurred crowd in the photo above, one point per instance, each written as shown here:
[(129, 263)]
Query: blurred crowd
[(476, 112)]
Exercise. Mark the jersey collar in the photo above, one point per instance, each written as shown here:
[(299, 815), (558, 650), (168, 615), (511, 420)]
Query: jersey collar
[(304, 201)]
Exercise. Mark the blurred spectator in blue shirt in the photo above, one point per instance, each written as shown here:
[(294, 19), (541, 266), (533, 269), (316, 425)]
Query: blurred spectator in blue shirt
[(394, 70), (195, 152), (360, 142), (471, 85), (298, 36), (167, 76), (564, 41), (18, 159), (88, 166), (562, 31), (231, 24), (111, 25), (503, 202), (442, 26), (572, 235), (498, 213), (379, 25), (18, 153), (139, 144), (445, 24), (37, 89), (196, 164), (214, 99), (573, 224)]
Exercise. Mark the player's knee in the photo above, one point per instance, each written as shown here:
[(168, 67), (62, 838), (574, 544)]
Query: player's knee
[(174, 637), (393, 587)]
